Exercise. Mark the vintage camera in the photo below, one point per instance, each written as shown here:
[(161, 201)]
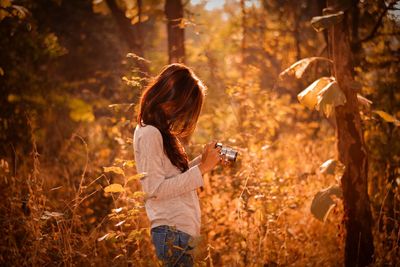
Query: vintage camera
[(228, 153)]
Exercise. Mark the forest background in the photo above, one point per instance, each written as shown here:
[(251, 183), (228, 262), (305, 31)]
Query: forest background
[(71, 73)]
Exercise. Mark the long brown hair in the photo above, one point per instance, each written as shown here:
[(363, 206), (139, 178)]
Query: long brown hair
[(172, 103)]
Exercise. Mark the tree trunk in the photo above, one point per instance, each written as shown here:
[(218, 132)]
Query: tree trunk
[(359, 248), (176, 33), (132, 34)]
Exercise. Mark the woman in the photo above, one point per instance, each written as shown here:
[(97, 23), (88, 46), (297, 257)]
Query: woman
[(169, 110)]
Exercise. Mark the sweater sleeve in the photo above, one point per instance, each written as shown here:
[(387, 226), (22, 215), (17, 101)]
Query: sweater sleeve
[(155, 184), (195, 161)]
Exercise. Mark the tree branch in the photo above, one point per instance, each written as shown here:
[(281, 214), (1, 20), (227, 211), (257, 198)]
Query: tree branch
[(378, 23)]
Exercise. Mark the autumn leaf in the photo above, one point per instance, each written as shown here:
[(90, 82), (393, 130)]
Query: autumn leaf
[(129, 163), (20, 11), (5, 3), (137, 176), (100, 7), (387, 117), (298, 68), (114, 169), (114, 188), (328, 167), (309, 96), (80, 110), (135, 19), (136, 234), (139, 194), (320, 23), (322, 202), (330, 97), (332, 167)]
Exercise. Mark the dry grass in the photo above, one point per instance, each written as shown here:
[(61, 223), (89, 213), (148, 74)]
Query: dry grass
[(255, 213)]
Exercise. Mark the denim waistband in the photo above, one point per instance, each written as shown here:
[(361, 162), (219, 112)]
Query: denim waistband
[(167, 227)]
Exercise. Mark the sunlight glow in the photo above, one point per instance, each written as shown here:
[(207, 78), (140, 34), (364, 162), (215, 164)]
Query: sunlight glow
[(210, 4)]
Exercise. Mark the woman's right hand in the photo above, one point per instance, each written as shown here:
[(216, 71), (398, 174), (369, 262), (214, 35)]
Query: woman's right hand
[(210, 157)]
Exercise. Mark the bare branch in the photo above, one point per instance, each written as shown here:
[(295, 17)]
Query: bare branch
[(371, 35)]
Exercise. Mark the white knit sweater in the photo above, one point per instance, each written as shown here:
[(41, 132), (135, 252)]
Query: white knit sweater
[(171, 197)]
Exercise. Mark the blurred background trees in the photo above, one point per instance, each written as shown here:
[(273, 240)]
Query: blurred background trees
[(71, 73)]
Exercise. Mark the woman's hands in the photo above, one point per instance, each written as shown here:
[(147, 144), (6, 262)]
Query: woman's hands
[(210, 157)]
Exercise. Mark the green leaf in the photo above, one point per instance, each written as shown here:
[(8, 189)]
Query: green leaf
[(114, 188), (330, 97), (298, 68), (309, 96), (114, 169), (387, 117), (322, 202), (320, 23)]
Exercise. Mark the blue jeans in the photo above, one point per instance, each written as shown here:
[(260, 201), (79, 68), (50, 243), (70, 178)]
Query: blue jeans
[(171, 246)]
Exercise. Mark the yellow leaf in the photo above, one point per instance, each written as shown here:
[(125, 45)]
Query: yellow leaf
[(387, 117), (13, 98), (135, 235), (129, 163), (5, 3), (298, 68), (114, 188), (182, 23), (80, 110), (114, 169), (328, 167), (138, 194), (3, 14), (137, 176), (330, 97), (1, 72), (100, 7), (320, 23), (309, 96)]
